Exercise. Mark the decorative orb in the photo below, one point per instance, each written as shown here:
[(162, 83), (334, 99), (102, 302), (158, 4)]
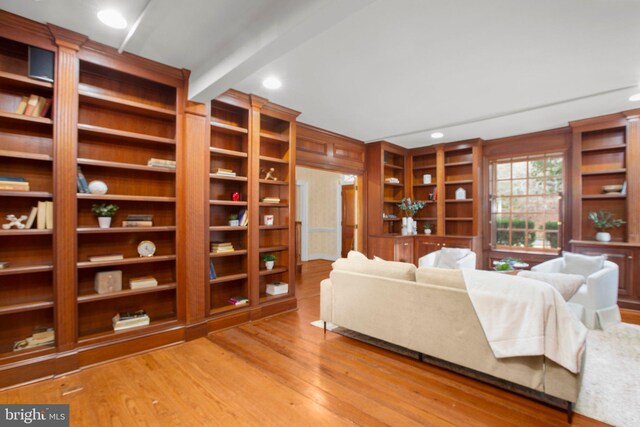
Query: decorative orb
[(98, 187)]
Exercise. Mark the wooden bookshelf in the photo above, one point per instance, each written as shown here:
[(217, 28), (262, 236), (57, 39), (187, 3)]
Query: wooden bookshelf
[(424, 161), (26, 151), (461, 163)]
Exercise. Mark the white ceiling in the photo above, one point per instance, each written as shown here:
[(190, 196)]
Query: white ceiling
[(390, 69)]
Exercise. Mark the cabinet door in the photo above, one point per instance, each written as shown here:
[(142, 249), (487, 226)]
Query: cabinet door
[(425, 245), (403, 250), (621, 256)]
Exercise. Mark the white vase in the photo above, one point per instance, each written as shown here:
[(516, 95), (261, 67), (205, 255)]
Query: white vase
[(234, 222), (269, 264), (603, 236), (405, 226), (104, 221)]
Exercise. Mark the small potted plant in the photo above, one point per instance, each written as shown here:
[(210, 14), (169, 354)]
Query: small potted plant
[(427, 228), (602, 221), (269, 261), (233, 220), (104, 213)]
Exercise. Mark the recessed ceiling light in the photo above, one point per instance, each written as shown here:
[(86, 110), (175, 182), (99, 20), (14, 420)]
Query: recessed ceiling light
[(635, 97), (437, 135), (112, 18), (272, 83)]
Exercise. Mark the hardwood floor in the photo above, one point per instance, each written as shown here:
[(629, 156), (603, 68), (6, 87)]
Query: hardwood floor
[(282, 371)]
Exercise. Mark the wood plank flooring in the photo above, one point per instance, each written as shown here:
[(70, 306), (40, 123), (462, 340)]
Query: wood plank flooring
[(282, 371)]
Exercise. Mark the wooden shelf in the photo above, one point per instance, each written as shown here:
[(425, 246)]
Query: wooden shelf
[(25, 269), (273, 205), (458, 219), (458, 200), (32, 194), (274, 160), (28, 156), (267, 298), (101, 336), (274, 270), (18, 80), (126, 261), (227, 153), (121, 134), (124, 197), (279, 248), (391, 219), (28, 306), (458, 182), (237, 252), (118, 165), (228, 178), (393, 185), (125, 293), (29, 232), (433, 184), (273, 136), (227, 308), (227, 228), (419, 168), (22, 117), (390, 166), (469, 163), (271, 182), (227, 128), (603, 196), (609, 148), (114, 230), (392, 201), (273, 227), (426, 218), (605, 172), (229, 278), (122, 104), (227, 203)]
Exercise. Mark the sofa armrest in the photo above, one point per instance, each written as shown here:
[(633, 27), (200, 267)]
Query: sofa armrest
[(429, 260), (602, 287), (468, 261), (326, 300), (552, 266)]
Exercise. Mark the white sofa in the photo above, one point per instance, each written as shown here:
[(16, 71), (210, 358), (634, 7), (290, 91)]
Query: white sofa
[(435, 319), (596, 301)]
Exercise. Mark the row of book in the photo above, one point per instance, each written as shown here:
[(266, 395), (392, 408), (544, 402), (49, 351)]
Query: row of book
[(221, 247), (161, 163), (41, 216), (243, 217), (111, 281), (14, 183), (128, 320), (224, 172), (34, 106), (138, 221), (270, 200)]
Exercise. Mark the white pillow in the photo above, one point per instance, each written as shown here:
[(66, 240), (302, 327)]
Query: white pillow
[(441, 277), (566, 284), (389, 269), (448, 257), (583, 265), (357, 255)]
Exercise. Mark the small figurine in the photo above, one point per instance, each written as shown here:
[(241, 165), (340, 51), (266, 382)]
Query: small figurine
[(235, 196), (270, 174), (14, 222)]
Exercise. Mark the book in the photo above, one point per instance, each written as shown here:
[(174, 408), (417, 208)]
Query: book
[(239, 300), (106, 257), (41, 218), (32, 103), (14, 186), (623, 191), (22, 105), (13, 179), (83, 186), (243, 215), (126, 320), (142, 282), (162, 163), (271, 200), (137, 223), (277, 288), (212, 271), (32, 218), (223, 170), (225, 174), (46, 108), (48, 223), (139, 217), (39, 107)]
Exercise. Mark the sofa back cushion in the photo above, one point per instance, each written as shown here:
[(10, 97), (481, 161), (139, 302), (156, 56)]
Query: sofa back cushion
[(441, 277), (583, 265), (389, 269), (449, 257)]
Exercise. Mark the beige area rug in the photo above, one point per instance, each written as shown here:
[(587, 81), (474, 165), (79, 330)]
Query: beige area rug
[(611, 384)]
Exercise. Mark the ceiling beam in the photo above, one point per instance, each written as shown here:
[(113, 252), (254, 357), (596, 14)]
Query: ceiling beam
[(219, 74)]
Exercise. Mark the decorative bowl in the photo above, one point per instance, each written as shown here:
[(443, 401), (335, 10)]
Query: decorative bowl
[(611, 188)]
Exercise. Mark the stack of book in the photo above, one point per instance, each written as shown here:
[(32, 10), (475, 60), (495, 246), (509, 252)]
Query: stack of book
[(138, 221), (106, 257), (392, 180), (13, 183), (142, 282), (224, 172), (239, 300), (128, 320), (271, 199), (161, 163), (33, 106), (83, 186), (220, 247), (39, 337)]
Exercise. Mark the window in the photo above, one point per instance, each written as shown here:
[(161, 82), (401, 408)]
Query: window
[(526, 203)]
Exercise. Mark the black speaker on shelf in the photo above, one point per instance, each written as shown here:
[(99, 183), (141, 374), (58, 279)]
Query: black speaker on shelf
[(40, 64)]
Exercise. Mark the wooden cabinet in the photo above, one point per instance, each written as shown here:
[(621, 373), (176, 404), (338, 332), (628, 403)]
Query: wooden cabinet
[(391, 247), (625, 256)]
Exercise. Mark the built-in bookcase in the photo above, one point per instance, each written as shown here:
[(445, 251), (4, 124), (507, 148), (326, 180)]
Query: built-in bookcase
[(123, 122), (425, 162), (26, 151), (229, 150), (393, 166), (275, 148), (459, 168)]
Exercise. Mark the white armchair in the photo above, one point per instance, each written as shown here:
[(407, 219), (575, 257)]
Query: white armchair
[(597, 298), (431, 260)]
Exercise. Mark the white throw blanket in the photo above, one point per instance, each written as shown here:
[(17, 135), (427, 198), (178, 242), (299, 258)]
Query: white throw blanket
[(525, 317)]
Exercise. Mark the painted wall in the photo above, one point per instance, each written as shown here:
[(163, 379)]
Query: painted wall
[(323, 222)]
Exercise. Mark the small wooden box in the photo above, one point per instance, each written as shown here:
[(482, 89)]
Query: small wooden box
[(108, 281)]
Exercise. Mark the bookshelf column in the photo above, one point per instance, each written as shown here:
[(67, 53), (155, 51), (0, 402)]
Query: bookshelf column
[(65, 116)]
